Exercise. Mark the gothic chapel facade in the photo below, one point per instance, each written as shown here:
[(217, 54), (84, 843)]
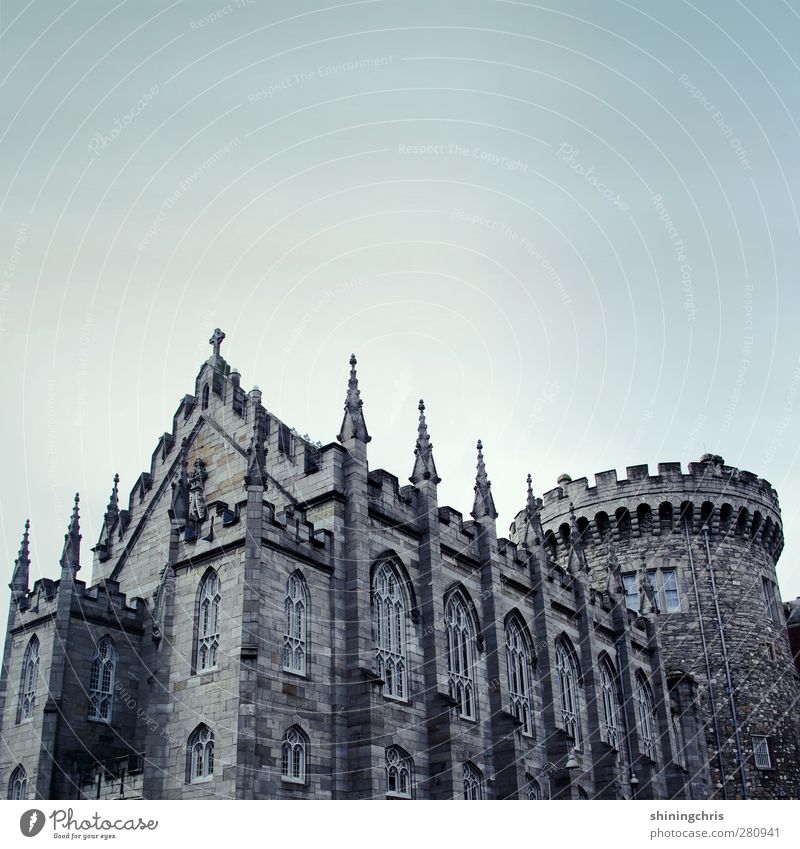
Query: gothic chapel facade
[(270, 618)]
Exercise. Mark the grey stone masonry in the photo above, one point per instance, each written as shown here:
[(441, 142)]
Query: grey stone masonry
[(270, 617)]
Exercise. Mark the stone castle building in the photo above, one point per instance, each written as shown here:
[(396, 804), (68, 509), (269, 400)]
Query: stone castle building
[(271, 618)]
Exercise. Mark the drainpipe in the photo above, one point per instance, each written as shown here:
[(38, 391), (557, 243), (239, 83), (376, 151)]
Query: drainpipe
[(712, 700), (728, 679)]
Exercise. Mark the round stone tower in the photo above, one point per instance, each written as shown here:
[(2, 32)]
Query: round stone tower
[(701, 548)]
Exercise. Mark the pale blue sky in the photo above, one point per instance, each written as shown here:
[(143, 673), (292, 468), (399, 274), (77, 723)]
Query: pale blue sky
[(569, 226)]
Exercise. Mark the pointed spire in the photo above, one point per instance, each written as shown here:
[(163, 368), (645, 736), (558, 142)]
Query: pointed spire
[(71, 554), (424, 465), (257, 452), (353, 424), (20, 575), (112, 511), (533, 534), (483, 504)]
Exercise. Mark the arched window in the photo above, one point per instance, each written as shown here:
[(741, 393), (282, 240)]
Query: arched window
[(205, 397), (623, 518), (644, 516), (665, 517), (293, 755), (725, 518), (532, 788), (101, 683), (644, 715), (18, 784), (564, 533), (208, 622), (473, 782), (550, 545), (610, 715), (568, 689), (389, 632), (399, 773), (295, 627), (520, 664), (603, 525), (30, 680), (460, 642), (741, 522), (201, 754)]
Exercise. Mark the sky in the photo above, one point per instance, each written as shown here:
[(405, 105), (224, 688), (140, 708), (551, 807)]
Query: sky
[(570, 227)]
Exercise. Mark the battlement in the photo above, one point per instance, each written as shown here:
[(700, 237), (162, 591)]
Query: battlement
[(712, 496), (708, 475)]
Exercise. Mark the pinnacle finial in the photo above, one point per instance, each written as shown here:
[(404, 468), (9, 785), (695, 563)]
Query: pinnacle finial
[(353, 424), (530, 501), (483, 506), (112, 511), (71, 553), (424, 465), (19, 577), (257, 452)]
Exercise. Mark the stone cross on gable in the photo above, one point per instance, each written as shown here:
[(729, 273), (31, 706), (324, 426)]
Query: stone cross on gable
[(216, 340)]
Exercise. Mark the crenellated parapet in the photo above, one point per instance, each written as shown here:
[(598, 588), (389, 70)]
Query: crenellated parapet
[(727, 501)]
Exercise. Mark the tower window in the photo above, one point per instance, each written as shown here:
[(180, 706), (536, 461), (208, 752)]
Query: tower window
[(771, 600), (761, 752), (399, 773), (30, 680), (460, 642), (568, 690), (18, 784), (295, 627), (669, 581), (519, 663), (389, 632), (631, 586), (101, 682), (293, 756), (201, 754), (208, 622), (473, 782)]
